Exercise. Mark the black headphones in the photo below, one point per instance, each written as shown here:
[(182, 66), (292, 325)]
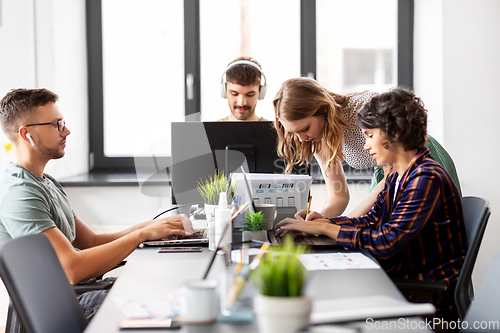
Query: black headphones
[(263, 86)]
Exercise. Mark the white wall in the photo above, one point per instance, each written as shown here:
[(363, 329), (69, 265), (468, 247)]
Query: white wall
[(116, 207), (457, 71)]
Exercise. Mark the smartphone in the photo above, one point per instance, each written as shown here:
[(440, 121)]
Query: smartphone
[(152, 323), (179, 249)]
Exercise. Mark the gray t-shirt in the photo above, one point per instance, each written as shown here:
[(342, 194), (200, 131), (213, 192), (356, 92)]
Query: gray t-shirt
[(30, 205)]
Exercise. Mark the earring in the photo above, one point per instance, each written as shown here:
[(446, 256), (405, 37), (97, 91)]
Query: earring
[(387, 145), (326, 118)]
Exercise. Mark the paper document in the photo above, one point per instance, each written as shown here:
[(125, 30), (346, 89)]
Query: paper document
[(251, 252), (361, 308), (339, 260), (144, 305)]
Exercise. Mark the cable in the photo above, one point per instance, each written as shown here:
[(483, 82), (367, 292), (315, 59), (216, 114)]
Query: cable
[(173, 208)]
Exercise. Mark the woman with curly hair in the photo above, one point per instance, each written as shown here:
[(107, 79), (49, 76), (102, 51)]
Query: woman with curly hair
[(312, 121), (415, 229)]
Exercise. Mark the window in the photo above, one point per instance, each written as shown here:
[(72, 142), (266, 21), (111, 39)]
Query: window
[(260, 29), (142, 52), (152, 62), (368, 69), (357, 44)]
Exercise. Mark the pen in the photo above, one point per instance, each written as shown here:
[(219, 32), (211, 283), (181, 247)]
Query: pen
[(239, 211), (241, 279), (309, 205), (255, 262), (243, 255)]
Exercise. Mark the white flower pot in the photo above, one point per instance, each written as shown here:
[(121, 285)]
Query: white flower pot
[(255, 235), (282, 314), (210, 210)]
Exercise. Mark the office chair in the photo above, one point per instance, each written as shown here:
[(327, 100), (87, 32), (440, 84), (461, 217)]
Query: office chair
[(476, 213), (484, 309), (98, 284), (13, 323), (40, 293)]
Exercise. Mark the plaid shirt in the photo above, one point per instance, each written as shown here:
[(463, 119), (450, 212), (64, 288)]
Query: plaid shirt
[(419, 233)]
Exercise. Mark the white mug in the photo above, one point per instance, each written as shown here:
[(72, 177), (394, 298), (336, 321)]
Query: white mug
[(269, 211), (198, 302)]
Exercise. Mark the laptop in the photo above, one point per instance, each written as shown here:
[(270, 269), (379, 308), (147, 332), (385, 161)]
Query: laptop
[(289, 211), (313, 241), (320, 241), (199, 237)]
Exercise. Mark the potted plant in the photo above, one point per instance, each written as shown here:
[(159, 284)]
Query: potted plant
[(255, 227), (280, 279), (210, 189)]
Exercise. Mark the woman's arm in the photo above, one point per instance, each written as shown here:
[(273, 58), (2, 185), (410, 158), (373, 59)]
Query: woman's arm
[(414, 207), (336, 185), (367, 203)]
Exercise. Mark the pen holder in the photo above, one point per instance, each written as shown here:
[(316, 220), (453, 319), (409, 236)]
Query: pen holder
[(227, 285)]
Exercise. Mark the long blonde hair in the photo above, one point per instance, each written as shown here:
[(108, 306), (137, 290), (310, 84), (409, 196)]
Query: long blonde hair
[(299, 98)]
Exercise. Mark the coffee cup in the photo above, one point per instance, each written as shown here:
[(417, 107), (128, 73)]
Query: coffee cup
[(199, 302), (269, 211)]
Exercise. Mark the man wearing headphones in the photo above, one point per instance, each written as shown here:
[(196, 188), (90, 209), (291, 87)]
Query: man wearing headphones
[(243, 83)]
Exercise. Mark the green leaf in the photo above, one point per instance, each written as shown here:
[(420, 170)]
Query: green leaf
[(254, 222), (211, 187), (280, 272)]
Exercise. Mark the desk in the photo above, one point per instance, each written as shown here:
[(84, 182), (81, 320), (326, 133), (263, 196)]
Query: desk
[(148, 271)]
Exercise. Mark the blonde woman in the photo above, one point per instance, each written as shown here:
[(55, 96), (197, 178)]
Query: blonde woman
[(312, 121)]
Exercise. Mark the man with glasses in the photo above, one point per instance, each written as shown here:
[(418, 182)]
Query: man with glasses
[(34, 202)]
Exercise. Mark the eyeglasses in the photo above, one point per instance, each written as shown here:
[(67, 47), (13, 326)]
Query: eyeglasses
[(61, 125)]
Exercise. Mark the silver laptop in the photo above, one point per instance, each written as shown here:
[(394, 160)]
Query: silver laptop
[(287, 211), (198, 237)]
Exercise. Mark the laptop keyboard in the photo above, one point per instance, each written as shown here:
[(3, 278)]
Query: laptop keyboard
[(197, 234), (297, 239)]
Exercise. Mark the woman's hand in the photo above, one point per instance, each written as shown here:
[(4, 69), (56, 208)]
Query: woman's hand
[(317, 227), (307, 227), (336, 185), (301, 215)]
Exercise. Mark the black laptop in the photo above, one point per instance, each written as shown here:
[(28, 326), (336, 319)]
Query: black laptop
[(312, 241)]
